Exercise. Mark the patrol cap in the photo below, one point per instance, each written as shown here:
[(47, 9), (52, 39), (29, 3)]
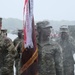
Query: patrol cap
[(4, 30), (43, 24), (21, 31), (64, 28)]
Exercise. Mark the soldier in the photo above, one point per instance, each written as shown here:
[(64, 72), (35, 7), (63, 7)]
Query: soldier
[(19, 38), (50, 53), (7, 53), (67, 44), (16, 42)]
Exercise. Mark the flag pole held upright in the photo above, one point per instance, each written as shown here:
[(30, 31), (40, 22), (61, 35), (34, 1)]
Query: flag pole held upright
[(30, 50)]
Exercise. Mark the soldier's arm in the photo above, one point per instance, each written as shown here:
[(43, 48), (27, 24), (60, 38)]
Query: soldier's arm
[(59, 61), (18, 49), (10, 47), (11, 52)]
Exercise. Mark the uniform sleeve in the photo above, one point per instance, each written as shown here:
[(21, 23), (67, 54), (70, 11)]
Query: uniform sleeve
[(10, 47), (11, 52), (59, 61)]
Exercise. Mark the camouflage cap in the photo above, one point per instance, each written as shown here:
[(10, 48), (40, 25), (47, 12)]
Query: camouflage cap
[(4, 30), (21, 31), (64, 28), (43, 24)]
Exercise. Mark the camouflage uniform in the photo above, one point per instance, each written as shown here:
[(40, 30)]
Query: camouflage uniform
[(50, 53), (7, 53), (17, 42), (67, 44)]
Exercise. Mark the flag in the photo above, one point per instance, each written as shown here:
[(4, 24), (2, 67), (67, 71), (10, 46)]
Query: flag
[(28, 10), (30, 50)]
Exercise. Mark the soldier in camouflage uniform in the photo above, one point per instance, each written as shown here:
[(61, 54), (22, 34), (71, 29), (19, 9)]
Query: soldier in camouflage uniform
[(7, 53), (17, 42), (50, 53), (67, 44), (19, 38)]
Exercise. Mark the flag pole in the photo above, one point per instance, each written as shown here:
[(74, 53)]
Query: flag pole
[(29, 47)]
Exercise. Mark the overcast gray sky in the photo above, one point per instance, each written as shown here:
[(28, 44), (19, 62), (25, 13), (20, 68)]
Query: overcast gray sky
[(43, 9)]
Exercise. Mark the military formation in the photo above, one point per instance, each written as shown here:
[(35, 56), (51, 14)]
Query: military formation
[(54, 57)]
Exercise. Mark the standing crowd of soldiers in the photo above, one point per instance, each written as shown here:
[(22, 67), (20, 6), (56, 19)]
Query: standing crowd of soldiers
[(54, 57)]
